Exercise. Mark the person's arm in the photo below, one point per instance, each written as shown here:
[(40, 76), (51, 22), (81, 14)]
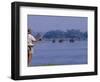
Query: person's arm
[(33, 39)]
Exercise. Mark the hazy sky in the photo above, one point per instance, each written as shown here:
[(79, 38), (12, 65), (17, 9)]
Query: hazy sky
[(39, 23)]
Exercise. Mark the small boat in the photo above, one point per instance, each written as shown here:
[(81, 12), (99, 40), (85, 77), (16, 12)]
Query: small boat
[(53, 41), (60, 41), (71, 40)]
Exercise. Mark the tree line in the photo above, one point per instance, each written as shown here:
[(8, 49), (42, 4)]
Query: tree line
[(71, 34)]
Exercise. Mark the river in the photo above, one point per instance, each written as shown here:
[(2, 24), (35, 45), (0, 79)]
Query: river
[(65, 53)]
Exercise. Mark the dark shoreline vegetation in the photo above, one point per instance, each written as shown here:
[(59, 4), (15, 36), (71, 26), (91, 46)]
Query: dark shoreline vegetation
[(60, 36)]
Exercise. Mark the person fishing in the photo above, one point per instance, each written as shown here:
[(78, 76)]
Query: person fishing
[(31, 43)]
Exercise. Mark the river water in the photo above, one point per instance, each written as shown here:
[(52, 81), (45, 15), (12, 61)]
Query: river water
[(65, 53)]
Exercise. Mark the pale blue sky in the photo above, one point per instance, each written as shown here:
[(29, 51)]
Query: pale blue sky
[(40, 23)]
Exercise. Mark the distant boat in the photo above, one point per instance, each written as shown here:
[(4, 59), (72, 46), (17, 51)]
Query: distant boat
[(53, 41), (60, 41), (71, 40)]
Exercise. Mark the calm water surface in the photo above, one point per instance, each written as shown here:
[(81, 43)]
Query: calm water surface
[(65, 53)]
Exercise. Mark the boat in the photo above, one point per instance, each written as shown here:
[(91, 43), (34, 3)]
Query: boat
[(71, 40), (53, 41), (60, 41)]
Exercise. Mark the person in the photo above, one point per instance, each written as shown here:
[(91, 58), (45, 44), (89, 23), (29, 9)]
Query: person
[(31, 42)]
